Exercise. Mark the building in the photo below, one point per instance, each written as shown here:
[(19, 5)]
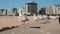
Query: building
[(42, 11), (3, 12), (15, 11), (58, 9), (31, 8), (53, 10), (50, 10), (12, 11), (21, 11)]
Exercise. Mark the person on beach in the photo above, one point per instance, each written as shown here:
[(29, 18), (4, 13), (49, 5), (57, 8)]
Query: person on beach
[(59, 19)]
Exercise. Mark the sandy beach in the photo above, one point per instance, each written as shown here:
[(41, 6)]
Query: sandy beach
[(7, 21), (51, 26)]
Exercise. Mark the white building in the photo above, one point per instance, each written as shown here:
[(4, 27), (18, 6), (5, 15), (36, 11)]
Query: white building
[(53, 9), (11, 11), (2, 11), (21, 11)]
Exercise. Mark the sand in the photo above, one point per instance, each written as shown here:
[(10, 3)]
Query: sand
[(51, 26), (7, 21)]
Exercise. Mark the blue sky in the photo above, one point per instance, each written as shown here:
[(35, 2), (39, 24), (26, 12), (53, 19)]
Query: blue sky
[(19, 3)]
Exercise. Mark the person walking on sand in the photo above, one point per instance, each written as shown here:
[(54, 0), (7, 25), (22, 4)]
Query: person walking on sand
[(59, 19)]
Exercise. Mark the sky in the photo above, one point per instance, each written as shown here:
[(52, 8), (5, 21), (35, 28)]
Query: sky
[(19, 3)]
